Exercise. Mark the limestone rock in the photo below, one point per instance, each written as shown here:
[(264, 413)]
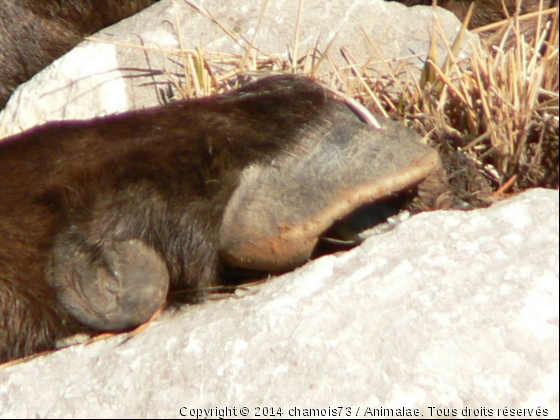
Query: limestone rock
[(450, 310)]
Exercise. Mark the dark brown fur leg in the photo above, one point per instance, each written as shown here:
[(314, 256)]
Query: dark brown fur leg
[(490, 11), (29, 321), (33, 33), (85, 203)]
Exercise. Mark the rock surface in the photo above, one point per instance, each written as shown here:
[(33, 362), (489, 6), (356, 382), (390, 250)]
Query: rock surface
[(449, 310), (99, 78)]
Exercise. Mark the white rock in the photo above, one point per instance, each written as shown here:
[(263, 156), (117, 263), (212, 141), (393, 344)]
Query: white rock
[(450, 310)]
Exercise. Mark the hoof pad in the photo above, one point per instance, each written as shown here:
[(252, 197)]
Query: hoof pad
[(120, 290)]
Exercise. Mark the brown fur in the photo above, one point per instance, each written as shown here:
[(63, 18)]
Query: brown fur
[(490, 11), (486, 11), (161, 176), (33, 33)]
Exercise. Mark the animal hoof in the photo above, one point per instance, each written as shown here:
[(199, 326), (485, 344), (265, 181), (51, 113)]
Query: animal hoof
[(120, 290), (277, 214)]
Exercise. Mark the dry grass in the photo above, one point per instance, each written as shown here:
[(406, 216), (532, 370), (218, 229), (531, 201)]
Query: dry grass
[(499, 108), (494, 117)]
